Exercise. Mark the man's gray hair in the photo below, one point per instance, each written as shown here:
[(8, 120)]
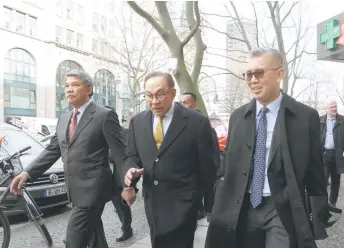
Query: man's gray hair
[(262, 51), (329, 101), (83, 76)]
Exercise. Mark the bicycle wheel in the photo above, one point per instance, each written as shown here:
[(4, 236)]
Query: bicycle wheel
[(5, 230), (35, 215)]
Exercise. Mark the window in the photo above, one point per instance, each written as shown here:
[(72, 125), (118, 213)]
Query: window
[(105, 87), (59, 8), (103, 26), (103, 46), (70, 37), (19, 81), (80, 15), (79, 41), (95, 46), (69, 10), (20, 22), (7, 18), (20, 66), (58, 34), (32, 26), (95, 22), (111, 28)]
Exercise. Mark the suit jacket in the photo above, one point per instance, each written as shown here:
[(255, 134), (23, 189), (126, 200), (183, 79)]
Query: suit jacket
[(338, 136), (176, 175), (295, 160), (88, 176), (217, 153)]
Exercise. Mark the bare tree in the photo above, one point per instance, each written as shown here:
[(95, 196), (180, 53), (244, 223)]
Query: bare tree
[(286, 20), (187, 81), (139, 49)]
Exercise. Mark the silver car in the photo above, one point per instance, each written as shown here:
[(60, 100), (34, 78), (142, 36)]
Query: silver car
[(49, 190)]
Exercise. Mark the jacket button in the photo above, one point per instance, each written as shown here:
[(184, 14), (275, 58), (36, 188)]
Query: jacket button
[(236, 201), (229, 229), (156, 160), (222, 178), (156, 182), (243, 173)]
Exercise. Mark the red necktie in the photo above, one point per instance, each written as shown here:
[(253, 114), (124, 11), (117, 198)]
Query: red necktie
[(73, 124)]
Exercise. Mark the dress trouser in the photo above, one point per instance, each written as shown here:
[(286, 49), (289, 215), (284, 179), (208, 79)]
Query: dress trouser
[(123, 212), (261, 227), (85, 228), (331, 171)]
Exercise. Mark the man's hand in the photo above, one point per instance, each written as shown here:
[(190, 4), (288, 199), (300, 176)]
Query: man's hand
[(131, 175), (18, 182), (129, 195)]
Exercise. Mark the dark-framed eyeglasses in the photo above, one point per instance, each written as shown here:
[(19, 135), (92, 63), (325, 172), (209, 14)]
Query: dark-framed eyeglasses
[(257, 74), (159, 96)]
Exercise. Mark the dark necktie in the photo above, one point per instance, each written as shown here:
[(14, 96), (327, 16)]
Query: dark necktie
[(73, 124), (258, 178)]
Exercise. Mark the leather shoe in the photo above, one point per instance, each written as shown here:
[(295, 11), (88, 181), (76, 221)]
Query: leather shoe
[(125, 236)]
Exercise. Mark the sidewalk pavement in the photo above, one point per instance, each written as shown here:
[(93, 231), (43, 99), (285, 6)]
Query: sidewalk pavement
[(200, 235)]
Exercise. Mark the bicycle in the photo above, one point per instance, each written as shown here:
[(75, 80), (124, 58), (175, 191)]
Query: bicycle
[(8, 166)]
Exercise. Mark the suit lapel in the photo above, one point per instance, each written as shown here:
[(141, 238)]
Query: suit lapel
[(250, 130), (86, 117), (65, 122), (276, 138), (148, 130), (177, 124)]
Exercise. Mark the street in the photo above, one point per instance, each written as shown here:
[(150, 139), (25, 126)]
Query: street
[(25, 235)]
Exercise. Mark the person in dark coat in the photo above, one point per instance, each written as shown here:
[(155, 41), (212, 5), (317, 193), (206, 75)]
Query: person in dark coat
[(273, 155), (189, 100), (121, 206), (172, 146), (332, 140)]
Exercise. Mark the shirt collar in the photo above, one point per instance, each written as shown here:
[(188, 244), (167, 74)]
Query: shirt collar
[(83, 107), (272, 107), (330, 118), (169, 113)]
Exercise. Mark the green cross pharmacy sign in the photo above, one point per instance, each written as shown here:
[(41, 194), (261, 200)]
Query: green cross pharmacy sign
[(330, 36)]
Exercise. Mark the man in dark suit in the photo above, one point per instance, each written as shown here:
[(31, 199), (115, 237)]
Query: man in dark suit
[(332, 140), (173, 147), (121, 206), (83, 139), (273, 154), (189, 100)]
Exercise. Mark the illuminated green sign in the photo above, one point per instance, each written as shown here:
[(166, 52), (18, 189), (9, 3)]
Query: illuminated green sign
[(330, 36)]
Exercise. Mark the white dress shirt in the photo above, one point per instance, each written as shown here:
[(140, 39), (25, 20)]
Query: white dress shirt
[(166, 121), (271, 117), (329, 141)]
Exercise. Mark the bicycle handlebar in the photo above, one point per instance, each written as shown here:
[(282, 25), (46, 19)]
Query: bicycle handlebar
[(17, 153)]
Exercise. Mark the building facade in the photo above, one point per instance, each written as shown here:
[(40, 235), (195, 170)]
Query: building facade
[(42, 40)]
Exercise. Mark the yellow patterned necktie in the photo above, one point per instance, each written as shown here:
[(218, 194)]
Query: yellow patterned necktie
[(159, 132)]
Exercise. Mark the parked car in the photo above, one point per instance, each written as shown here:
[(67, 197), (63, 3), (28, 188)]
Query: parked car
[(221, 132), (49, 190)]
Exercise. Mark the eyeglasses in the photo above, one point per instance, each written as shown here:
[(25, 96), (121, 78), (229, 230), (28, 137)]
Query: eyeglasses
[(257, 74), (159, 97)]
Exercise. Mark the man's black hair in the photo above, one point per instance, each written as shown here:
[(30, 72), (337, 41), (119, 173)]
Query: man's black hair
[(190, 94)]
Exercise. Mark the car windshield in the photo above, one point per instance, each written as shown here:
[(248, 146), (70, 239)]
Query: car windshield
[(15, 140)]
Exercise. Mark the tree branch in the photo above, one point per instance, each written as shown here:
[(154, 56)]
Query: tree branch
[(256, 23), (196, 24), (229, 72), (241, 27), (162, 32), (289, 11)]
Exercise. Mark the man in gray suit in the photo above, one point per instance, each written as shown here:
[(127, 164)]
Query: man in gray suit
[(83, 138)]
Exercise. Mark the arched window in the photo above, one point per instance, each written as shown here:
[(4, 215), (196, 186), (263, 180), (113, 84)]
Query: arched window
[(19, 83), (62, 105), (104, 88)]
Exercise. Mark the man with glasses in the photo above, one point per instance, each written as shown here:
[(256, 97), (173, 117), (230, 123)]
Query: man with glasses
[(332, 138), (172, 146), (273, 154)]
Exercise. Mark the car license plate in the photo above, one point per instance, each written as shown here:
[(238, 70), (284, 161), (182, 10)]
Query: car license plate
[(56, 191)]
